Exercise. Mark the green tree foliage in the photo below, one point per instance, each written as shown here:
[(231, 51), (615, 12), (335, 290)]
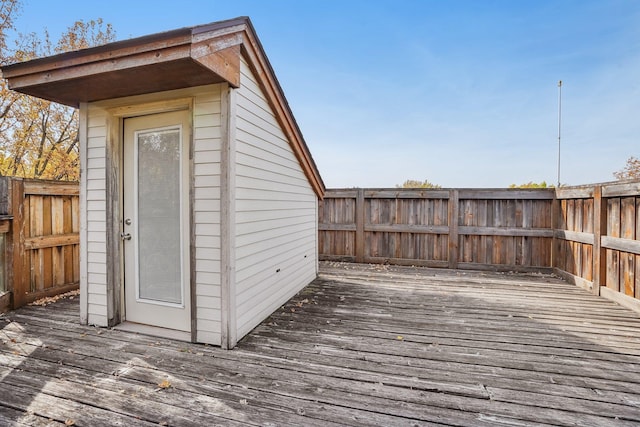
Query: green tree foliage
[(412, 183), (38, 138), (532, 184), (631, 170)]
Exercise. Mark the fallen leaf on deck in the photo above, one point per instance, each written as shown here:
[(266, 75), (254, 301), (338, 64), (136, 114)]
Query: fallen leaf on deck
[(400, 337), (43, 302), (69, 422), (164, 384), (303, 302)]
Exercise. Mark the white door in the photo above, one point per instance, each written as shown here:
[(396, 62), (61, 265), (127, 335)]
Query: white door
[(155, 230)]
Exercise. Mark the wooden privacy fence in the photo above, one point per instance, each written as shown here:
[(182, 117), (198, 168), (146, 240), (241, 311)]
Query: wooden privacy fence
[(588, 234), (597, 239), (464, 228), (40, 230)]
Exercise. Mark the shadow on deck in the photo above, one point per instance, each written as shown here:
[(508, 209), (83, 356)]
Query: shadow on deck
[(362, 345)]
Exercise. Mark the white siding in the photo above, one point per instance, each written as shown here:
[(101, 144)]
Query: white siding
[(206, 208), (95, 247), (275, 212), (207, 143)]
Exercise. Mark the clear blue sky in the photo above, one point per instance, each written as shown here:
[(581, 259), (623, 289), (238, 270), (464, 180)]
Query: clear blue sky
[(462, 93)]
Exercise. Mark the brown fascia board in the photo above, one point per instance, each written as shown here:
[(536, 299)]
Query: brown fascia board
[(108, 51), (116, 49), (214, 47)]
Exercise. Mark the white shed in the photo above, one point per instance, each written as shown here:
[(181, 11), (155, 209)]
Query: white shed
[(199, 197)]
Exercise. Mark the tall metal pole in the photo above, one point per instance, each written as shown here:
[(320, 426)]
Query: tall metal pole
[(559, 125)]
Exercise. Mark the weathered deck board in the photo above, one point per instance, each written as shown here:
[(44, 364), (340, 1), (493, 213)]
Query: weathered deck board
[(363, 345)]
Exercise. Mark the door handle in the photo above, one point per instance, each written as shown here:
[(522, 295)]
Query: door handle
[(125, 236)]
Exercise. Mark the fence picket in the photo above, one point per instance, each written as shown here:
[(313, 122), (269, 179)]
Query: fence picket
[(43, 247)]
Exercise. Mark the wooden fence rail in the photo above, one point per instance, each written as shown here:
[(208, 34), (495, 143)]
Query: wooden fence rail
[(480, 229), (589, 235), (40, 230)]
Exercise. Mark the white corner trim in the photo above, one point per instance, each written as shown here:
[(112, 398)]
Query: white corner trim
[(83, 142), (227, 218)]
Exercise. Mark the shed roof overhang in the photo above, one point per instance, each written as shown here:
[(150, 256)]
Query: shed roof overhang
[(170, 60), (177, 59)]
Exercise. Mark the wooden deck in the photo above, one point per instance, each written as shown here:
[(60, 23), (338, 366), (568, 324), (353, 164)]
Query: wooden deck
[(363, 345)]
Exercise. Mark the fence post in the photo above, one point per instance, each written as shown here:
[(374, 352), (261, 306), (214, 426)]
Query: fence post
[(555, 226), (19, 276), (360, 225), (599, 229), (452, 219), (5, 192), (5, 228)]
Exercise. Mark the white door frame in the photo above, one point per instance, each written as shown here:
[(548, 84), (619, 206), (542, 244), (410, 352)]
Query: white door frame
[(117, 111)]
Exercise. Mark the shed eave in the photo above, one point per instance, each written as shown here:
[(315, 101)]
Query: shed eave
[(156, 64)]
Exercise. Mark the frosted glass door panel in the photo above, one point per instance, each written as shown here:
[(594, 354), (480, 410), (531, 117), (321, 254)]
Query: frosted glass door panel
[(159, 223), (155, 220)]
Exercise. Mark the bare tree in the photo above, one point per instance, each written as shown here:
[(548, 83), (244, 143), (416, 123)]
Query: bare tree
[(39, 138), (631, 170)]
